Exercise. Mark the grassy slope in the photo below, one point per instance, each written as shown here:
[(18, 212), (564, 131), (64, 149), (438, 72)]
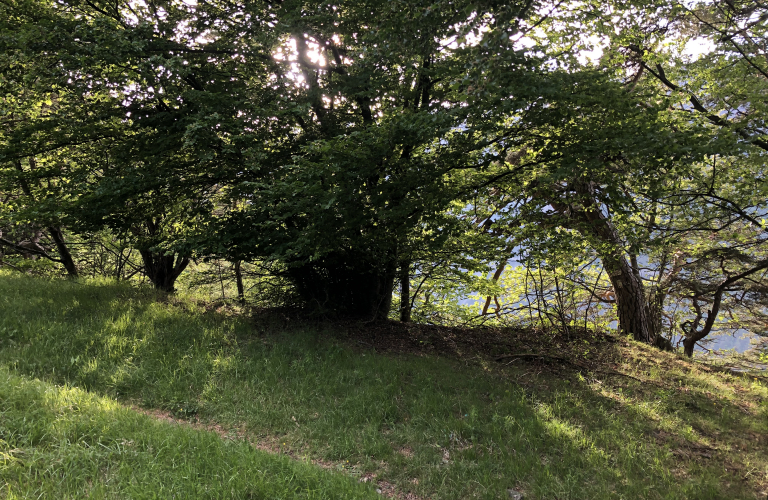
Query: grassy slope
[(437, 427), (61, 442)]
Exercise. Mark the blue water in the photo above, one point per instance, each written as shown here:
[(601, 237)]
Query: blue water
[(740, 343)]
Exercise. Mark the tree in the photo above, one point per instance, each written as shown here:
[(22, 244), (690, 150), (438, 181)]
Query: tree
[(607, 159), (348, 106), (31, 187), (718, 208), (348, 143)]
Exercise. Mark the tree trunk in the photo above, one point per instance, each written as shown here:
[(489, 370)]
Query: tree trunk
[(239, 282), (405, 291), (634, 315), (66, 257), (697, 334), (632, 307), (346, 284), (161, 270), (688, 344)]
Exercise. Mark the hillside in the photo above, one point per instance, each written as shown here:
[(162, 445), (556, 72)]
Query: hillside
[(111, 391)]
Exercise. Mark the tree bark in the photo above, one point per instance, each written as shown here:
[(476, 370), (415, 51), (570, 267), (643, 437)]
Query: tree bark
[(634, 316), (496, 276), (405, 291), (66, 257), (239, 282), (632, 307), (163, 270), (695, 334)]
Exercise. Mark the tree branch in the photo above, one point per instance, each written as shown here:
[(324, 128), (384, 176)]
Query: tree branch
[(34, 251)]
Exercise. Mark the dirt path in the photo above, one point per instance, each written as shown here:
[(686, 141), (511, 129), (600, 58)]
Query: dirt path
[(386, 489)]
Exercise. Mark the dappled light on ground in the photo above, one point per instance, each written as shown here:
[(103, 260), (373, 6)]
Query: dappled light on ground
[(61, 442), (620, 421)]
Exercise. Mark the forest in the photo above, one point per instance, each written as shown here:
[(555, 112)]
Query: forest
[(561, 165)]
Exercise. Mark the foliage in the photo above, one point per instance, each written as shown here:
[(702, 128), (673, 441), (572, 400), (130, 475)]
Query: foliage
[(348, 146), (215, 281)]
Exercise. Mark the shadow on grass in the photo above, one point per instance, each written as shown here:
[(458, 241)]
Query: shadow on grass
[(432, 426)]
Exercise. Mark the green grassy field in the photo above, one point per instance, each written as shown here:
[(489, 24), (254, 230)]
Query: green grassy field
[(74, 356)]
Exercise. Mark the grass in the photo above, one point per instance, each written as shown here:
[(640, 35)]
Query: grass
[(62, 442), (422, 425)]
